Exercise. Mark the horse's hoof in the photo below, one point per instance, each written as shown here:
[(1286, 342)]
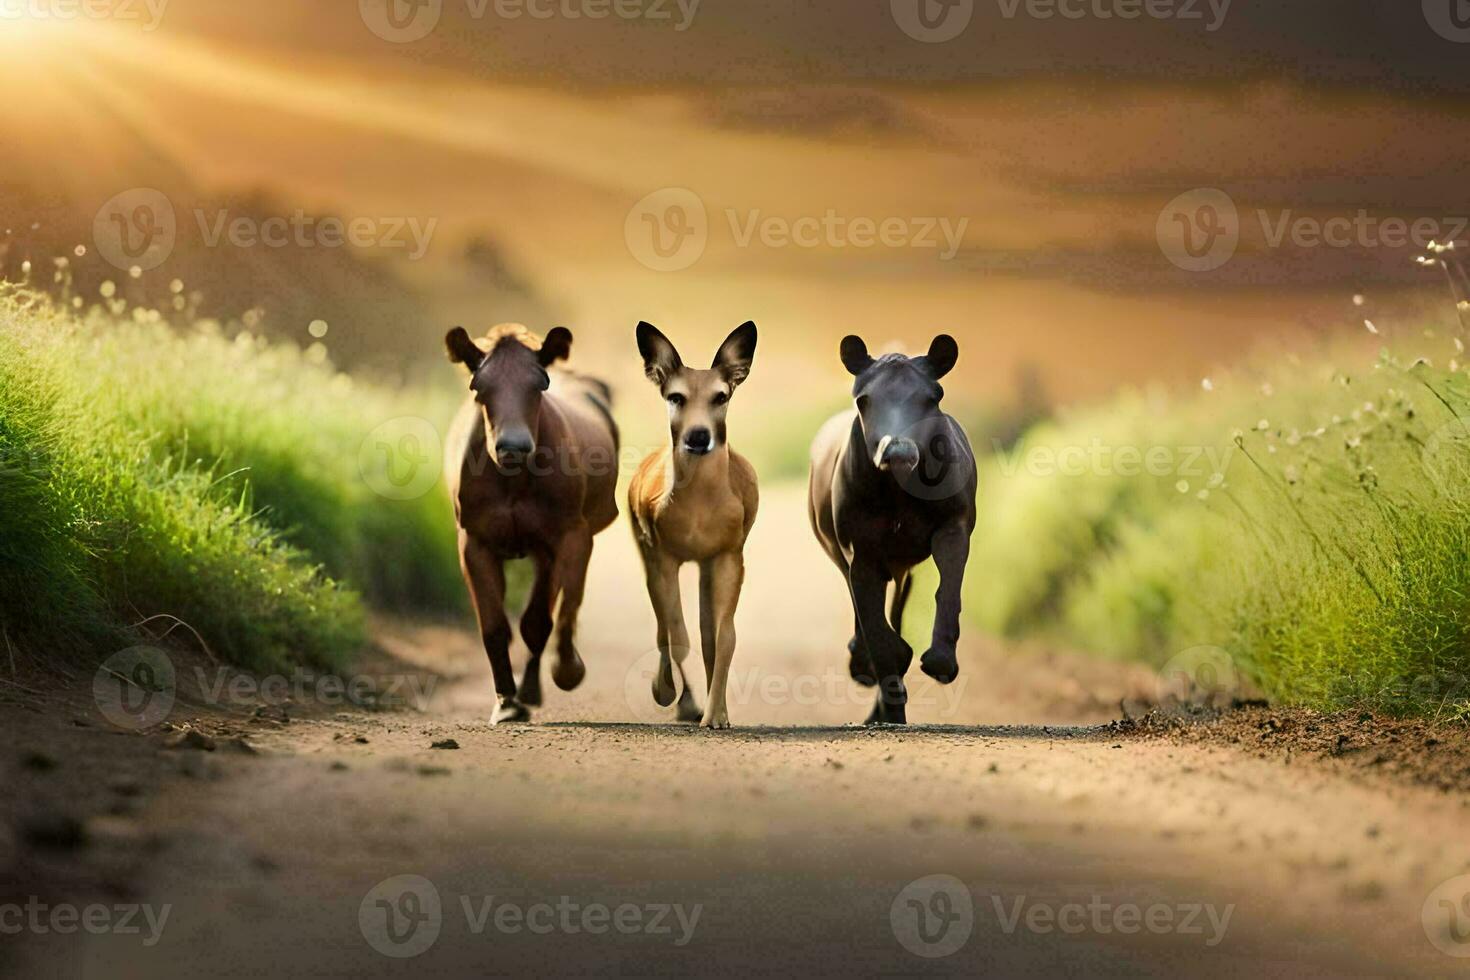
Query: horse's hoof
[(530, 692), (689, 711), (942, 665), (663, 690), (717, 723), (857, 664), (569, 671), (511, 712)]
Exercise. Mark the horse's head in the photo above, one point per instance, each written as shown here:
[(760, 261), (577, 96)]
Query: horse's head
[(898, 399), (698, 400), (508, 381)]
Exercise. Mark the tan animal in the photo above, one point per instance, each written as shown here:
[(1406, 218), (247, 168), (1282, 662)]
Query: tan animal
[(695, 500)]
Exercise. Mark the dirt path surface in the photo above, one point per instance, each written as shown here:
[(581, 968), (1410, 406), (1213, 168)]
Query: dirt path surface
[(603, 839)]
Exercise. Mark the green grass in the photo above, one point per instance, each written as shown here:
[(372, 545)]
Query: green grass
[(1311, 520), (147, 470)]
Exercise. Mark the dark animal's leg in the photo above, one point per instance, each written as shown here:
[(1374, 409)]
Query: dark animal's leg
[(536, 627), (571, 578), (485, 575), (951, 552), (890, 654), (901, 589)]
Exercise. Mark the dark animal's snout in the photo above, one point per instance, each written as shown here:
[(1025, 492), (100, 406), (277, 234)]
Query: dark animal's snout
[(514, 446), (897, 453), (698, 441)]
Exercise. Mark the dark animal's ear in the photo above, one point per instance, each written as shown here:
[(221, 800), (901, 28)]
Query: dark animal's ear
[(736, 354), (556, 347), (660, 359), (463, 350), (943, 353), (855, 355)]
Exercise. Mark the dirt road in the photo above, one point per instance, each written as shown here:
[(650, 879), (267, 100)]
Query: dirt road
[(604, 839)]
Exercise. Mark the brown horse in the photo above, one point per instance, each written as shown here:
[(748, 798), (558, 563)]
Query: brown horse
[(531, 462)]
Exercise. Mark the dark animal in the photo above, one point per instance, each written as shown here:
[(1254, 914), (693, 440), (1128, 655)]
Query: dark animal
[(892, 484), (531, 463)]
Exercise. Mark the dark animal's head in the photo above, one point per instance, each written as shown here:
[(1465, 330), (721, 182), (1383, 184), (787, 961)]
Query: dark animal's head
[(898, 399), (698, 400), (508, 376)]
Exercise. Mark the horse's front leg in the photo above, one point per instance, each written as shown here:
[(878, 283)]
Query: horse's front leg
[(887, 650), (485, 576), (951, 553), (572, 557), (536, 625)]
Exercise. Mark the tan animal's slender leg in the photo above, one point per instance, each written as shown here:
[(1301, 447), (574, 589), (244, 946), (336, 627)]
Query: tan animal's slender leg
[(729, 575), (707, 623), (485, 576), (673, 637), (536, 626), (571, 578)]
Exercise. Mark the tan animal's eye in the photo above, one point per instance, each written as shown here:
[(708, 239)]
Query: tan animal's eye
[(719, 399), (677, 400)]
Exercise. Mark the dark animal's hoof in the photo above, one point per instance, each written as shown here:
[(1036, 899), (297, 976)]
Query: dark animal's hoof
[(664, 691), (857, 664), (569, 670), (530, 690), (690, 712), (941, 665), (511, 712)]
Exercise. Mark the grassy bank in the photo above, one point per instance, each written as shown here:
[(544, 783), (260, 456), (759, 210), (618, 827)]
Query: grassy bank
[(1309, 517), (151, 471)]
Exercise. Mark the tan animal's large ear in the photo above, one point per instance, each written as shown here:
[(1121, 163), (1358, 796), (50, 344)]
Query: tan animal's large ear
[(736, 355), (556, 347), (660, 359), (855, 355), (463, 350), (943, 353)]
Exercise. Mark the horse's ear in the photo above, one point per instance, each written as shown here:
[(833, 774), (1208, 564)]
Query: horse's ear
[(736, 354), (463, 350), (660, 359), (855, 355), (556, 347), (943, 353)]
